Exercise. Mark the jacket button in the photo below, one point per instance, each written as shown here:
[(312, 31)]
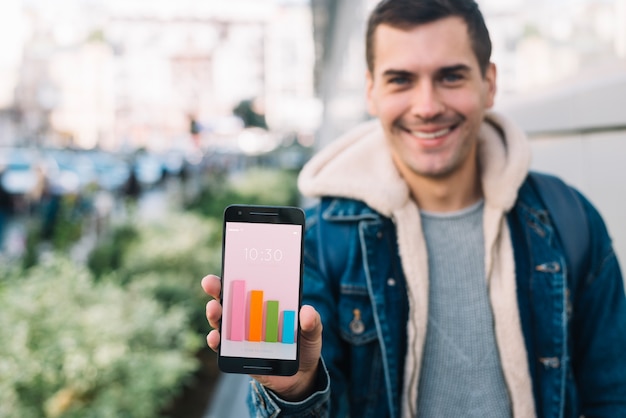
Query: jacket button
[(391, 281), (379, 234), (552, 267), (356, 325), (550, 362)]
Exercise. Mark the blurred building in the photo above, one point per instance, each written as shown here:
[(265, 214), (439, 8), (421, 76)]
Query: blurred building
[(12, 19), (83, 111), (35, 92), (539, 43), (339, 28), (290, 99), (127, 74)]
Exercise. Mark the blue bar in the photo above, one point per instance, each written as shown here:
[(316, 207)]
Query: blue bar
[(289, 323)]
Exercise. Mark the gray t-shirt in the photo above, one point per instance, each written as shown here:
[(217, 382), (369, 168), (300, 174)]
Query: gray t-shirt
[(461, 374)]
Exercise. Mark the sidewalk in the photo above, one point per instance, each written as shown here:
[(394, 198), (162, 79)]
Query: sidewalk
[(229, 398)]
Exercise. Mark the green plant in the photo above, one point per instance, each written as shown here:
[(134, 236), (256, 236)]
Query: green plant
[(33, 238), (69, 224), (60, 223), (164, 260), (257, 186), (170, 258), (74, 347), (108, 256)]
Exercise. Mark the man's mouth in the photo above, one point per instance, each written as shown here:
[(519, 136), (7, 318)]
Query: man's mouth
[(432, 135)]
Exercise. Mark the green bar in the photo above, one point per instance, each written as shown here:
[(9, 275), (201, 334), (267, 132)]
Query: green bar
[(271, 321)]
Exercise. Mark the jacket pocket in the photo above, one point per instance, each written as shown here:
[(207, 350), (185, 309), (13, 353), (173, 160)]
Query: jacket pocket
[(358, 330), (356, 319)]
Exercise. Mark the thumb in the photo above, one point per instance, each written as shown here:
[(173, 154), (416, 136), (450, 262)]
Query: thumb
[(298, 387), (310, 338)]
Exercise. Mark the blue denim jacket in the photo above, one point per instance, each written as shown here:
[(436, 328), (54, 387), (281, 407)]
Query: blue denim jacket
[(575, 332)]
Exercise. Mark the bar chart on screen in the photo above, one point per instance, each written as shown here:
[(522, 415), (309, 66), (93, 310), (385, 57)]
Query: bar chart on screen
[(254, 319)]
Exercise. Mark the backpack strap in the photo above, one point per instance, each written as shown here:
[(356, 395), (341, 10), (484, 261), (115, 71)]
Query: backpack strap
[(569, 218)]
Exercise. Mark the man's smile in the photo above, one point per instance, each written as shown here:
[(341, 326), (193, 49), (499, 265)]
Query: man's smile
[(432, 135)]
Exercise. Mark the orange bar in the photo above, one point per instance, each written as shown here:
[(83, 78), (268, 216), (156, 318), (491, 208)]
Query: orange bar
[(256, 315)]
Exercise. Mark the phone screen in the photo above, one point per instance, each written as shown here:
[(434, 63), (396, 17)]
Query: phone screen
[(261, 283)]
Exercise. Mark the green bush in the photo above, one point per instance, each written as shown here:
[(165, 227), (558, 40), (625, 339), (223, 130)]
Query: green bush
[(108, 256), (185, 244), (267, 187), (169, 259), (120, 339), (258, 186), (164, 260), (74, 347), (59, 223)]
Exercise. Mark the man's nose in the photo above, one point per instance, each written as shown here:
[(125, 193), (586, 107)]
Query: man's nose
[(426, 101)]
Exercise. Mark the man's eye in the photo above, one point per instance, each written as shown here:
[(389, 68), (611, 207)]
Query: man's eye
[(399, 80), (451, 78)]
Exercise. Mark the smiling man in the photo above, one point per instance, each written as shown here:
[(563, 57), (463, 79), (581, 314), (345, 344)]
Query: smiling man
[(436, 282)]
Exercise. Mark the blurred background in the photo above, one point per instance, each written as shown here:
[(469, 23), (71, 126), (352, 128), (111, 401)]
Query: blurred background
[(126, 126)]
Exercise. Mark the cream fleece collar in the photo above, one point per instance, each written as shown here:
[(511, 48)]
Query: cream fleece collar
[(359, 166)]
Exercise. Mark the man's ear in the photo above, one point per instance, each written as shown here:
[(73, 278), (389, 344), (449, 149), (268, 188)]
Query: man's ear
[(490, 85), (369, 91)]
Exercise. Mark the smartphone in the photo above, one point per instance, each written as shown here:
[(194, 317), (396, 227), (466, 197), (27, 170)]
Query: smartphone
[(261, 289)]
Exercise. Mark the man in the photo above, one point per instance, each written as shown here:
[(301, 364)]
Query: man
[(431, 261)]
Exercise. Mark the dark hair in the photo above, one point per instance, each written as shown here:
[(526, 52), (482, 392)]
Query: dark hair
[(405, 14)]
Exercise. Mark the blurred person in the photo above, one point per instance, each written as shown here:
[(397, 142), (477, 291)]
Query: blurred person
[(132, 187), (195, 129), (436, 281), (36, 195), (103, 205), (252, 113), (6, 207)]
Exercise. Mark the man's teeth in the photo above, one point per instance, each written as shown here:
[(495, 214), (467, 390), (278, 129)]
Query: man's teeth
[(431, 135)]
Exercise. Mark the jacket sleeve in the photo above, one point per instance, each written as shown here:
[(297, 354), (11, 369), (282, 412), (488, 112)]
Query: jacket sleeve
[(263, 403), (599, 328)]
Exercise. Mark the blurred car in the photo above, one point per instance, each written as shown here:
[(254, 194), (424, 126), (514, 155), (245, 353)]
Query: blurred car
[(112, 172), (173, 162), (149, 168), (69, 172), (22, 176)]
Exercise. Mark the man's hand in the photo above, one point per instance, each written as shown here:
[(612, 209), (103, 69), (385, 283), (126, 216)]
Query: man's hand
[(289, 388)]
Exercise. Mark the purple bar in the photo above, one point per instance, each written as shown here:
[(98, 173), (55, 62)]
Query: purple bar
[(238, 310)]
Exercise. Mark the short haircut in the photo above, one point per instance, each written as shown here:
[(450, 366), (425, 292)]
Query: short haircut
[(406, 14)]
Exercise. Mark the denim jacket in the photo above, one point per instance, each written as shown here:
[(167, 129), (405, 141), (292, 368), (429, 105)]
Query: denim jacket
[(574, 329)]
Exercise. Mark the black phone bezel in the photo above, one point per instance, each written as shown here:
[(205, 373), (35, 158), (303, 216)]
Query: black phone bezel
[(291, 215)]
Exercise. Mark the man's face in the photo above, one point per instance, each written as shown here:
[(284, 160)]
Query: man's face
[(430, 96)]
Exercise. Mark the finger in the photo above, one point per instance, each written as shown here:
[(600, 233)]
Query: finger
[(212, 285), (310, 322), (214, 313), (310, 338), (213, 340), (298, 387)]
